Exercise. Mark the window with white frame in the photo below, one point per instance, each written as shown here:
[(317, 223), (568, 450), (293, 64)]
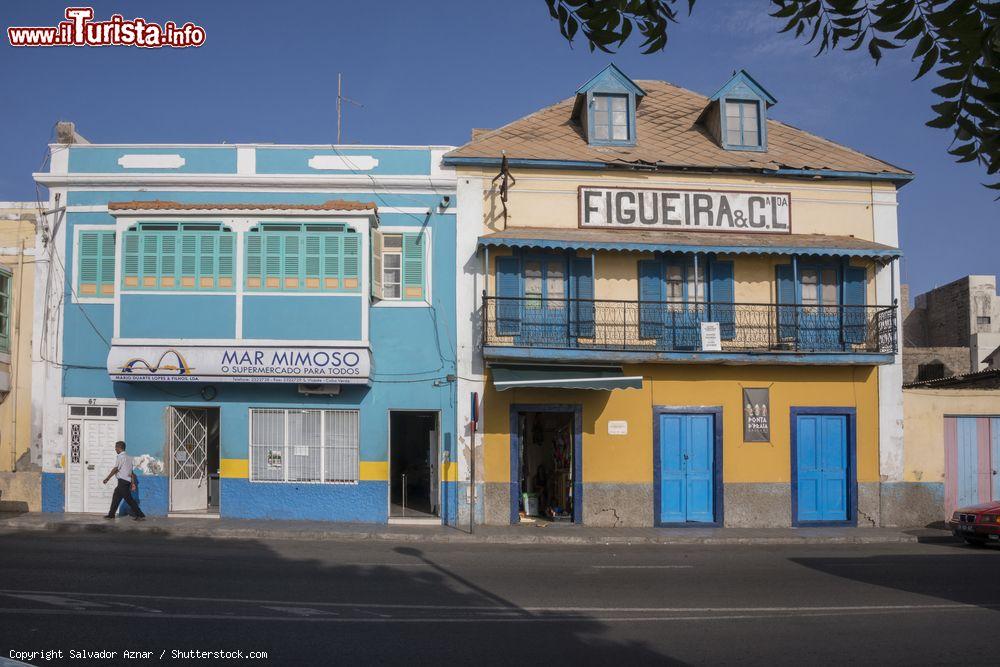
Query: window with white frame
[(399, 265), (320, 446), (392, 266)]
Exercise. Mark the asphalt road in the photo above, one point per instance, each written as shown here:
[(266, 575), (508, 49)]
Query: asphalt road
[(362, 603)]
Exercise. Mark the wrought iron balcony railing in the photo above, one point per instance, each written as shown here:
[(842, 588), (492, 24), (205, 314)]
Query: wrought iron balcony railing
[(676, 326)]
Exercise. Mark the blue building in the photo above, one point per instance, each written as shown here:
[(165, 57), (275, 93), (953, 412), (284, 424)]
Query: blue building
[(269, 328)]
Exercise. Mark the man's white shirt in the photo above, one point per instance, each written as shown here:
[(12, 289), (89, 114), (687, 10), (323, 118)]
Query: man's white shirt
[(124, 465)]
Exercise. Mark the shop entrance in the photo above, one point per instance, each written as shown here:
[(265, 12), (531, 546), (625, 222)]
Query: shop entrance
[(414, 453), (193, 441), (547, 470)]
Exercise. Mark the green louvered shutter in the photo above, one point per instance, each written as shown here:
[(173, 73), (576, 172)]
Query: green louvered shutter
[(313, 266), (89, 257), (227, 241), (150, 260), (332, 280), (208, 253), (413, 266), (130, 262), (272, 261), (168, 261), (189, 260), (351, 262), (254, 260), (292, 262), (106, 274)]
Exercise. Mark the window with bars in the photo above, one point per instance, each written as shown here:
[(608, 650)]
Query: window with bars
[(303, 258), (318, 446), (399, 266), (5, 282), (95, 256), (182, 256)]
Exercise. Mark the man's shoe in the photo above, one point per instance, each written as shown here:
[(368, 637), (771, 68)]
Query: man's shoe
[(139, 518), (108, 516)]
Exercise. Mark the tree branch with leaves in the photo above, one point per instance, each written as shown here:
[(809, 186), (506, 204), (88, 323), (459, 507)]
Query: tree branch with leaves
[(959, 40)]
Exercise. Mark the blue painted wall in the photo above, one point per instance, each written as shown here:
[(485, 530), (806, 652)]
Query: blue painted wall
[(178, 316), (53, 495), (104, 160), (296, 161), (361, 502), (292, 317)]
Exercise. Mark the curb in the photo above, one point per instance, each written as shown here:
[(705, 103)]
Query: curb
[(455, 537)]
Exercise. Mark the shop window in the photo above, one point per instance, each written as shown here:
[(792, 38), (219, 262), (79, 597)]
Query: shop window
[(318, 446), (5, 281), (95, 256), (302, 258), (178, 256), (399, 266)]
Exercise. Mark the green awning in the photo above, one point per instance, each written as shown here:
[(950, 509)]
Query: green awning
[(604, 378)]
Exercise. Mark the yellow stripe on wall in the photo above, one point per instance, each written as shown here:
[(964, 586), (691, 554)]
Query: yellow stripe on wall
[(375, 471), (238, 468), (449, 471)]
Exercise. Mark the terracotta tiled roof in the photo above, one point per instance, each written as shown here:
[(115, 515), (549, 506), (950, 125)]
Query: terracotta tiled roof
[(668, 136), (160, 205), (729, 242)]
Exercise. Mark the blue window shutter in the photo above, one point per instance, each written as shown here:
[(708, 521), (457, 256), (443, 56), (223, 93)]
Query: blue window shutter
[(413, 266), (254, 255), (508, 289), (189, 260), (723, 294), (652, 292), (227, 259), (130, 262), (855, 284), (786, 295), (291, 261), (207, 261), (88, 257), (331, 262), (313, 264), (106, 276), (582, 323), (351, 264)]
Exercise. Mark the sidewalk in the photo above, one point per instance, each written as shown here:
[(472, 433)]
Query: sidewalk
[(565, 534)]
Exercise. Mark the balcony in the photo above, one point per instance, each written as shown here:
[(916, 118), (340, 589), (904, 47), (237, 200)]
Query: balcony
[(578, 329)]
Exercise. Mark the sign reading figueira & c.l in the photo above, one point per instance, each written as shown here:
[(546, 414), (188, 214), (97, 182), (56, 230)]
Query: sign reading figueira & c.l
[(685, 210), (238, 363)]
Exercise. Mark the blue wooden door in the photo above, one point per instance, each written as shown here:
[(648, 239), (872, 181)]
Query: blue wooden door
[(995, 456), (968, 461), (544, 308), (687, 468), (821, 467)]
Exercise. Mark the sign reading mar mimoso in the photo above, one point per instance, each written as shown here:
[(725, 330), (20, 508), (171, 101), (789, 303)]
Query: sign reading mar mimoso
[(309, 365), (685, 210), (756, 414)]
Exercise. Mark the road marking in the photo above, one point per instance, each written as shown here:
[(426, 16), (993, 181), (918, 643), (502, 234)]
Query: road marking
[(642, 567), (302, 611)]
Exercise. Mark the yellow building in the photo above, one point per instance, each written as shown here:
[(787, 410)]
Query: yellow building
[(19, 476), (685, 314)]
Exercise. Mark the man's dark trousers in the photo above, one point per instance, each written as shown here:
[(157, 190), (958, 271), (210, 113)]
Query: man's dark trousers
[(124, 492)]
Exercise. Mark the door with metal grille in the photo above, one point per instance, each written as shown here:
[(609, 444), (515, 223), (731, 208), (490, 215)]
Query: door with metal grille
[(188, 437)]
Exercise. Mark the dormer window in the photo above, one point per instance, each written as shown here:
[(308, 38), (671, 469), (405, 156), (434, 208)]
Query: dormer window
[(736, 115), (743, 123), (605, 108), (610, 120)]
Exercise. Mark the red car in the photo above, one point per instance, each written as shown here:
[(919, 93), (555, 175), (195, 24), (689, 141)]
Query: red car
[(977, 524)]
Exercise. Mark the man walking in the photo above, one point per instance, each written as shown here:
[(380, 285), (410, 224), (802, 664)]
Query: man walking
[(125, 477)]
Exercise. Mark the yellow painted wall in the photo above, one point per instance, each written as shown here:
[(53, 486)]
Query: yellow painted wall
[(625, 459), (924, 411), (17, 231), (544, 198)]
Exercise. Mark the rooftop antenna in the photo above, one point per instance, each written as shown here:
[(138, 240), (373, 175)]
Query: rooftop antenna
[(340, 100)]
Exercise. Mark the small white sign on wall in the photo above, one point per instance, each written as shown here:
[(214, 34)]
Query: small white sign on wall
[(619, 427), (711, 337)]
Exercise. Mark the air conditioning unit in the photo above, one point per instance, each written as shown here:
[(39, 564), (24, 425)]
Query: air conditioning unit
[(319, 389)]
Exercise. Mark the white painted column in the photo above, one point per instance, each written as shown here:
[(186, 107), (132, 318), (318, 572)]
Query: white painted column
[(469, 286), (890, 376)]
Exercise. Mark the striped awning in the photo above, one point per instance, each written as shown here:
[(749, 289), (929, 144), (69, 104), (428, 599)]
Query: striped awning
[(603, 378), (728, 243)]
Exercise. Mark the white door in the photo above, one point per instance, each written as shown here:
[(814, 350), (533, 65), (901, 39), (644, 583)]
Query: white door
[(99, 437), (188, 459), (75, 467), (432, 461)]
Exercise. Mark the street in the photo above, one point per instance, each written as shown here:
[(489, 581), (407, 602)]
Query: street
[(369, 602)]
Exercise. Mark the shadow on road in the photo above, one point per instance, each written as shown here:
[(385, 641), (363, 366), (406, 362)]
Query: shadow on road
[(304, 603), (967, 578)]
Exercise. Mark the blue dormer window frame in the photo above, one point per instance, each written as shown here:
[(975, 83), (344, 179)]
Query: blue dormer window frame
[(743, 131), (604, 97), (742, 90)]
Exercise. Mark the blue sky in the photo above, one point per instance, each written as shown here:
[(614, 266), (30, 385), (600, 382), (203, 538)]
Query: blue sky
[(428, 72)]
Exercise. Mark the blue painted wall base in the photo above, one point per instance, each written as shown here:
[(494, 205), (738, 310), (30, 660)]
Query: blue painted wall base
[(53, 495), (364, 502)]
